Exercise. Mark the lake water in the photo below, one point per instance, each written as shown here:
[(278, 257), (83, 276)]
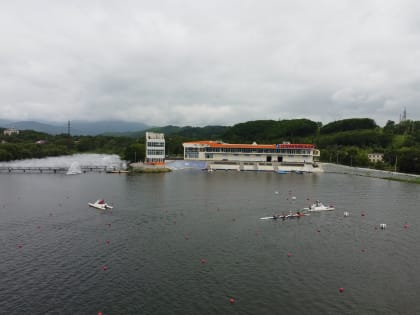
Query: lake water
[(186, 242)]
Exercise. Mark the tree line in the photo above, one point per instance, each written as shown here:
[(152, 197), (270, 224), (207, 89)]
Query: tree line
[(30, 144), (347, 141)]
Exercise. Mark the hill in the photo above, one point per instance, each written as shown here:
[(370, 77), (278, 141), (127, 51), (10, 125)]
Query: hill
[(188, 132), (77, 127)]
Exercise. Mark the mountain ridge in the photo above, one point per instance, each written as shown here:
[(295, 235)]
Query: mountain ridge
[(77, 127)]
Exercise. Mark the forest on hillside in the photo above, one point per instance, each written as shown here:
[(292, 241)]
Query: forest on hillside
[(347, 141), (30, 144)]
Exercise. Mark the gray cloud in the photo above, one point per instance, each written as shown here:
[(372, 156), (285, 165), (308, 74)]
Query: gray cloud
[(216, 62)]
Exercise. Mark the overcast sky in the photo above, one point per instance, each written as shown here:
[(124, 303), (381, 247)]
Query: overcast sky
[(209, 62)]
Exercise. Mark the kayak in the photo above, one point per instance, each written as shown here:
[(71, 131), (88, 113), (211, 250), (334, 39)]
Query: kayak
[(285, 216)]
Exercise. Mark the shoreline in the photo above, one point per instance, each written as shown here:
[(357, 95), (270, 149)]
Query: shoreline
[(370, 172), (140, 167)]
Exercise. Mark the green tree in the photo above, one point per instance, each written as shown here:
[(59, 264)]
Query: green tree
[(135, 152), (348, 125), (409, 160)]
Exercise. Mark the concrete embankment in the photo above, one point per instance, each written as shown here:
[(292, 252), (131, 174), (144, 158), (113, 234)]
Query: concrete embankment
[(360, 171), (140, 167)]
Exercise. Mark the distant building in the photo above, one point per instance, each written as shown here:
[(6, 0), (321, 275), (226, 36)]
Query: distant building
[(10, 131), (155, 148), (375, 157)]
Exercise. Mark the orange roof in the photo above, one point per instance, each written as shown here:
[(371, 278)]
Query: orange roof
[(217, 144)]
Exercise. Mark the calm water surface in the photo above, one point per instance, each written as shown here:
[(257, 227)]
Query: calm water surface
[(186, 242)]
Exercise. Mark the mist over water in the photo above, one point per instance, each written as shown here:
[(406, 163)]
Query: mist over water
[(87, 160)]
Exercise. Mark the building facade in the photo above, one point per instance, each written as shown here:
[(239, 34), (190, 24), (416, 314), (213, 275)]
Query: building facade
[(155, 148), (375, 157), (10, 131), (220, 155)]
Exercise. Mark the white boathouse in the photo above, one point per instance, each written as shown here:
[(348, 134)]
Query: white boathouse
[(253, 157)]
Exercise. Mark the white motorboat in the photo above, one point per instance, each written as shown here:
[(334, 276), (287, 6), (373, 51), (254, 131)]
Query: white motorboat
[(319, 206), (100, 204)]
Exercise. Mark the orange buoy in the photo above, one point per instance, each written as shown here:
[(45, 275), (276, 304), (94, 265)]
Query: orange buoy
[(231, 300)]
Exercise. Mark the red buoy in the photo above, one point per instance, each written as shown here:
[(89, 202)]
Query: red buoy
[(105, 268), (341, 290), (99, 313), (203, 261), (289, 255), (231, 300), (406, 226), (20, 246), (108, 241)]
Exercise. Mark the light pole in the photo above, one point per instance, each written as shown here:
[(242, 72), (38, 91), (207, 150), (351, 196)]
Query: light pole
[(395, 167)]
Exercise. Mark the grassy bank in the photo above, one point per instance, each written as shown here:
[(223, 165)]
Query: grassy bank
[(147, 169)]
